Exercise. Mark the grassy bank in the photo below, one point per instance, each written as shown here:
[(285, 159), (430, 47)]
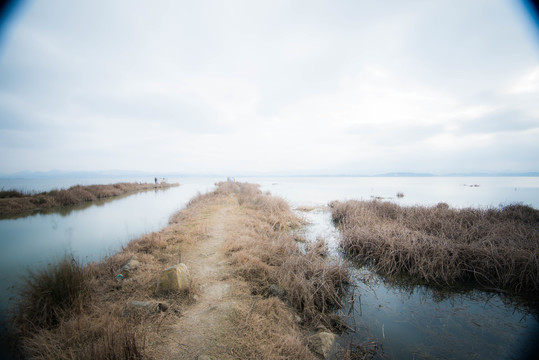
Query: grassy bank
[(14, 202), (265, 254), (492, 248), (278, 295)]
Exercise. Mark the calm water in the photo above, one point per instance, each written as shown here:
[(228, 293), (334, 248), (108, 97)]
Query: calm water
[(410, 323), (417, 322), (455, 191)]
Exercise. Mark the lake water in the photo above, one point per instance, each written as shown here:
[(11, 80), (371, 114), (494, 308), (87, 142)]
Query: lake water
[(455, 191), (407, 323), (415, 322)]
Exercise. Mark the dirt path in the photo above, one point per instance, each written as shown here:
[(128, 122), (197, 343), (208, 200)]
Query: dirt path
[(205, 324)]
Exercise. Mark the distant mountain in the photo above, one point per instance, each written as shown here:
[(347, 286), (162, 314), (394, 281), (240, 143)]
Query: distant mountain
[(405, 174), (500, 174)]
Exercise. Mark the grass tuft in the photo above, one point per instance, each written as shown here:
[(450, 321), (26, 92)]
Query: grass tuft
[(115, 342), (52, 293)]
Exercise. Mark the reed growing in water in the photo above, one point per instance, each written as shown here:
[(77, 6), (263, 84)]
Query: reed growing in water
[(493, 248)]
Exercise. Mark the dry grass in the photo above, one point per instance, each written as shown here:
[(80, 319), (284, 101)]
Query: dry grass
[(52, 294), (267, 329), (266, 255), (4, 194), (13, 202), (493, 248), (87, 338)]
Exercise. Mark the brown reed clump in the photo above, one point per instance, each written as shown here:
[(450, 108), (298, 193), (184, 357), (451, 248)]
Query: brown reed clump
[(52, 293), (494, 248), (13, 202)]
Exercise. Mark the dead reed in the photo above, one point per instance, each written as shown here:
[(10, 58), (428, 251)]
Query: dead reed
[(267, 329), (51, 293), (4, 194), (493, 248), (14, 202)]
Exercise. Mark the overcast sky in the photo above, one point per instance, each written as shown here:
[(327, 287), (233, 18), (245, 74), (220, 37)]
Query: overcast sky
[(355, 87)]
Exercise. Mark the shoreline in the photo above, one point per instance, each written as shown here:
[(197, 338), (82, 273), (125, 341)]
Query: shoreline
[(16, 203)]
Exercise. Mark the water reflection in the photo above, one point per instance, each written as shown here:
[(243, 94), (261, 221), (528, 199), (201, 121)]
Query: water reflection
[(409, 321), (67, 210), (418, 323)]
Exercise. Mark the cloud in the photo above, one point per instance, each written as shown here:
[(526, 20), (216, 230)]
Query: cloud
[(506, 120), (267, 86), (527, 83)]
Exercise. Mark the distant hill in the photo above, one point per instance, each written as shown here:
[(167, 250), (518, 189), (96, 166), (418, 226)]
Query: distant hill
[(501, 174), (405, 174)]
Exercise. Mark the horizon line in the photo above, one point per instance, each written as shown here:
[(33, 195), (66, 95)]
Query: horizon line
[(26, 174)]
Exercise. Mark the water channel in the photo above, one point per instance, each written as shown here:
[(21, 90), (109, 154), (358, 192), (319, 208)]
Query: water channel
[(403, 322)]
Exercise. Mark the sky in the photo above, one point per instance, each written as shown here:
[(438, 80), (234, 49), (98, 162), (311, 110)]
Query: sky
[(270, 87)]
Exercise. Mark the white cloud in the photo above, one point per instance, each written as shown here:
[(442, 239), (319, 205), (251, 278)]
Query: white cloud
[(526, 83), (356, 87)]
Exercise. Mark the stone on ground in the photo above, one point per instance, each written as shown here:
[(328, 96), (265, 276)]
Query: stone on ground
[(129, 266), (174, 278), (322, 343)]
